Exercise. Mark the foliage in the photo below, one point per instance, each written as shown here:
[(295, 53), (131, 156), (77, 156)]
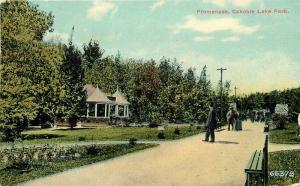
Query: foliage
[(44, 167), (280, 120), (30, 82), (92, 53), (177, 131), (161, 135), (269, 100), (72, 77), (132, 141)]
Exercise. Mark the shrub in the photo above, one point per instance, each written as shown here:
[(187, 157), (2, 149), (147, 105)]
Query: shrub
[(198, 127), (81, 138), (70, 153), (91, 150), (161, 135), (47, 124), (17, 160), (153, 124), (132, 141), (280, 120), (177, 131)]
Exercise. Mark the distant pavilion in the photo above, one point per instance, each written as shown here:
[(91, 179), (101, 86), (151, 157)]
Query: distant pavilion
[(103, 106)]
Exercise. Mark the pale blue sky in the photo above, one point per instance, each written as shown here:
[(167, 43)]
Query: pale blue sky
[(261, 52)]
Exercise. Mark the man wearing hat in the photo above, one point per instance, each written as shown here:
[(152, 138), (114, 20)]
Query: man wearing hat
[(230, 117), (211, 124)]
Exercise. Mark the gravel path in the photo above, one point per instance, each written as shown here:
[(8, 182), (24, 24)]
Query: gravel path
[(182, 162)]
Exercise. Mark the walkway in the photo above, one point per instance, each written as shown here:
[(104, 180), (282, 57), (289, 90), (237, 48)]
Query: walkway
[(182, 162)]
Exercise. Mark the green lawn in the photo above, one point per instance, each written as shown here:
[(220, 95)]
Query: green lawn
[(9, 176), (102, 134), (285, 136), (285, 161)]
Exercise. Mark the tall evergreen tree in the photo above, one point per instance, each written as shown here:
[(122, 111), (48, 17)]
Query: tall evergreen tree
[(72, 77), (91, 53), (203, 82)]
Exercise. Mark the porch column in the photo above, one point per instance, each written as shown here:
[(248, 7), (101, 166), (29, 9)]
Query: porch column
[(105, 112), (87, 110), (124, 112), (127, 114), (117, 110), (95, 110), (108, 110)]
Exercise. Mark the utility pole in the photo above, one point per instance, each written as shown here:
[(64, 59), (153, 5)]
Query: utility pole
[(71, 36), (235, 92), (221, 70)]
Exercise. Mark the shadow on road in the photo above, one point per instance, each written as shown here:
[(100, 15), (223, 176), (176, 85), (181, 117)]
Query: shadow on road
[(227, 142)]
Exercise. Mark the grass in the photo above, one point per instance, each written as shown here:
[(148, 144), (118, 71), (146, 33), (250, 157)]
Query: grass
[(285, 136), (103, 134), (40, 169), (285, 161)]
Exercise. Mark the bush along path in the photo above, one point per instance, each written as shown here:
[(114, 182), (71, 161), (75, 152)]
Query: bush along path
[(24, 164)]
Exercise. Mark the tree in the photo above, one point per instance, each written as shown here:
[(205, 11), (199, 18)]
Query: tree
[(149, 85), (92, 53), (72, 77), (189, 80), (30, 80), (203, 82)]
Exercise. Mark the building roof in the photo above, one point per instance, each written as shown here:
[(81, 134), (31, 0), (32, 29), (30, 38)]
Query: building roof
[(89, 88), (98, 96), (120, 98)]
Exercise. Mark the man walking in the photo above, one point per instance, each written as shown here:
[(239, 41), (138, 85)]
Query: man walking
[(230, 118), (211, 124)]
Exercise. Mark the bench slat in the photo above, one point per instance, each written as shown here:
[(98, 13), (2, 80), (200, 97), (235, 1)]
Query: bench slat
[(260, 162), (248, 167), (255, 161)]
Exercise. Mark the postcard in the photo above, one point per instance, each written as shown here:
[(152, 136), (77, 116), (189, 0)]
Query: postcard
[(150, 92)]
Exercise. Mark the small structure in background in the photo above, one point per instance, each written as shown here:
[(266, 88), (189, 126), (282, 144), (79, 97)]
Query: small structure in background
[(282, 109), (104, 109)]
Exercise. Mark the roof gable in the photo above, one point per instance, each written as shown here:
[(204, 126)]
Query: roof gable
[(120, 98), (98, 96)]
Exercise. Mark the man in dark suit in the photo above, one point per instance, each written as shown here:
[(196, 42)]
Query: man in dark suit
[(211, 124)]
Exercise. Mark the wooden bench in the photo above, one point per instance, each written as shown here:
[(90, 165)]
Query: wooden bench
[(257, 167)]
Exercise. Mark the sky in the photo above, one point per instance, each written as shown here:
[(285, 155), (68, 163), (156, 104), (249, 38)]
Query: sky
[(260, 51)]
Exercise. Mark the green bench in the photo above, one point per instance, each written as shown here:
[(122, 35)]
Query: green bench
[(257, 167)]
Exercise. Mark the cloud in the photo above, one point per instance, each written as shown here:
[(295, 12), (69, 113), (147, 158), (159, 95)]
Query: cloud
[(157, 4), (261, 73), (100, 8), (231, 39), (238, 3), (59, 37), (203, 38), (215, 25)]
